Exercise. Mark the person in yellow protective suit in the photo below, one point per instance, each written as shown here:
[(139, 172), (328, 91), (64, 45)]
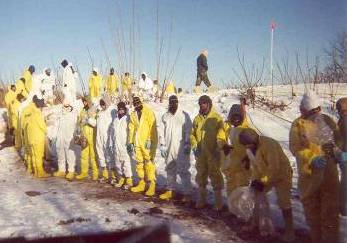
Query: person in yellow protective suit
[(111, 83), (170, 89), (9, 98), (35, 132), (20, 87), (270, 169), (86, 123), (95, 84), (24, 117), (236, 167), (14, 111), (312, 139), (16, 120), (143, 138), (203, 139), (28, 77), (127, 84)]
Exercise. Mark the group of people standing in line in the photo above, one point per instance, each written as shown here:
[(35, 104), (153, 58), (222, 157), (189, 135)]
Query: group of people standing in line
[(111, 134)]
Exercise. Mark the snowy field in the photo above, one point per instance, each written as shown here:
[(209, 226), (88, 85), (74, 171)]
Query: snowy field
[(34, 208)]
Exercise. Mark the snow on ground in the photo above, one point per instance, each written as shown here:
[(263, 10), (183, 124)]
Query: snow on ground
[(39, 216)]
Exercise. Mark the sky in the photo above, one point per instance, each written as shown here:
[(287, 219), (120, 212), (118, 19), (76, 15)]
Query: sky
[(44, 33)]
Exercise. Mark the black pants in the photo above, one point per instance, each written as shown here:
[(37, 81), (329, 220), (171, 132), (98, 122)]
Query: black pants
[(202, 76)]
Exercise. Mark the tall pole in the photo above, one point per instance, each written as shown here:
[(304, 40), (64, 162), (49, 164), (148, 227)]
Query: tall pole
[(271, 59)]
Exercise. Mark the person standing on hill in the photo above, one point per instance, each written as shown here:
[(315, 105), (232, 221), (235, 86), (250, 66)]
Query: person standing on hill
[(202, 70)]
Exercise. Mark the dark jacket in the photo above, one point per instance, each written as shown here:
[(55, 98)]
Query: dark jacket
[(202, 63)]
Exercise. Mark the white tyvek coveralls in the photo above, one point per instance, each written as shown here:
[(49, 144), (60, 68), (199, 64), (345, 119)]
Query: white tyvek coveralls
[(66, 126), (119, 134), (174, 134), (103, 122), (47, 83), (69, 84)]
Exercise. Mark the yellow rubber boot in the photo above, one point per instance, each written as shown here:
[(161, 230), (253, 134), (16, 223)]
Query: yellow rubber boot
[(95, 175), (59, 174), (201, 203), (151, 189), (105, 173), (218, 201), (95, 170), (129, 181), (82, 176), (166, 195), (120, 183), (140, 187), (70, 176)]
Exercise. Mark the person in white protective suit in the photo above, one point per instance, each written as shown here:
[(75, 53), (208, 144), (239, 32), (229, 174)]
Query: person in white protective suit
[(67, 122), (175, 148), (145, 84), (119, 134), (69, 81), (103, 122), (47, 83)]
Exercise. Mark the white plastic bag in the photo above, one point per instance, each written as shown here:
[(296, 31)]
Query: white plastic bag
[(263, 214), (241, 202)]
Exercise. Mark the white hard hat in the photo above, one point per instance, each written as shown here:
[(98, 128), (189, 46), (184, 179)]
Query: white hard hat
[(310, 101)]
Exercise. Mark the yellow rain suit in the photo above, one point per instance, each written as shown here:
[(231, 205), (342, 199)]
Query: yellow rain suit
[(321, 207), (170, 89), (28, 81), (20, 87), (22, 136), (236, 172), (272, 168), (95, 85), (127, 84), (140, 132), (35, 131), (203, 137), (111, 84), (14, 114), (9, 98), (87, 123)]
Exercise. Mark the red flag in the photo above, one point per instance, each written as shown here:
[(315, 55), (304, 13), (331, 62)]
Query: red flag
[(273, 25)]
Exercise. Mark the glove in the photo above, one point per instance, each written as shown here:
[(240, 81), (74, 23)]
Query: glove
[(226, 149), (163, 151), (148, 144), (196, 152), (328, 148), (343, 160), (319, 162), (186, 148), (257, 185), (130, 148)]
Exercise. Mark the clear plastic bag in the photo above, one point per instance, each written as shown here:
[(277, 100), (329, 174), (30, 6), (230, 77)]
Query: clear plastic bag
[(241, 202), (263, 215)]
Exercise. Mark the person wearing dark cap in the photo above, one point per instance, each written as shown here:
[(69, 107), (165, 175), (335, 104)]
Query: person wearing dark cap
[(175, 148), (35, 133), (203, 138), (87, 125), (236, 167), (143, 139), (28, 76), (119, 134), (270, 169), (111, 83), (69, 81)]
